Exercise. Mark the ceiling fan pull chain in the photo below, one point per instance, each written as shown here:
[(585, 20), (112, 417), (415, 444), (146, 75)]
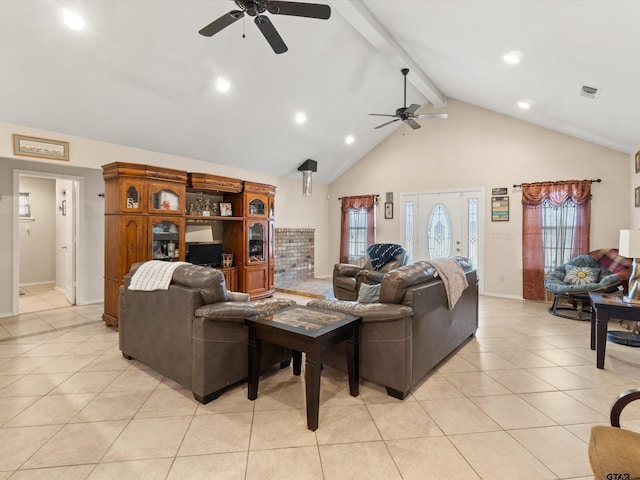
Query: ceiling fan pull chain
[(244, 23)]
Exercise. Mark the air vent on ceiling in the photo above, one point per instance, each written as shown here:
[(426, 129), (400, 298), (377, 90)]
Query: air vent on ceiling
[(589, 92)]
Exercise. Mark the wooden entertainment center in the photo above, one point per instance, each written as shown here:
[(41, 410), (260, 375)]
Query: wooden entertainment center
[(148, 211)]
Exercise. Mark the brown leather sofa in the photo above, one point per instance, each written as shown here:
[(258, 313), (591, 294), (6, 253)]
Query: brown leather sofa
[(348, 277), (194, 333), (411, 329)]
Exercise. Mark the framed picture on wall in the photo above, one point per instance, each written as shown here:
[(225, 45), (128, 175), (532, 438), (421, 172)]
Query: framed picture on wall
[(388, 210), (499, 209), (637, 197), (40, 147), (638, 161)]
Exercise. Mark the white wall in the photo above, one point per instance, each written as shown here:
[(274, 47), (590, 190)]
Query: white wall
[(38, 234), (475, 147), (293, 210)]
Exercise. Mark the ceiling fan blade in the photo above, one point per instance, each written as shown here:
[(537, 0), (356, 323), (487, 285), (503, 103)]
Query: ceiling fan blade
[(381, 115), (222, 22), (271, 34), (433, 115), (412, 123), (385, 124), (411, 109), (299, 9)]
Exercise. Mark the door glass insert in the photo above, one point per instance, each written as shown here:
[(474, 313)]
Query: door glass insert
[(439, 233), (24, 205), (165, 241), (473, 231), (165, 200), (256, 242), (409, 226), (256, 207)]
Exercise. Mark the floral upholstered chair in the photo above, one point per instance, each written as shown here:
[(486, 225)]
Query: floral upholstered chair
[(598, 271)]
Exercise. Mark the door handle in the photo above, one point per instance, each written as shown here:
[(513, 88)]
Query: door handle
[(64, 247)]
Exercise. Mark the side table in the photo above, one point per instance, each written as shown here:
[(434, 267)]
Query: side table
[(606, 306), (309, 330)]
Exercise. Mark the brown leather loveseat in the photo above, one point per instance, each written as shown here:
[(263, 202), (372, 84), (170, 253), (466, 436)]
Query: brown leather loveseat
[(348, 277), (193, 333), (411, 329)]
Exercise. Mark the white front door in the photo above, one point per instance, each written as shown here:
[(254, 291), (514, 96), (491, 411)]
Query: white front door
[(441, 224)]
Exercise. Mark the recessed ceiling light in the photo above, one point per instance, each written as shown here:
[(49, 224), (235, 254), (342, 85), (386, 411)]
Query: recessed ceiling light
[(301, 117), (73, 20), (222, 84), (524, 105), (513, 57), (349, 139)]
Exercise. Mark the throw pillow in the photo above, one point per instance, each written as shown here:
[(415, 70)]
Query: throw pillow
[(369, 293), (581, 275)]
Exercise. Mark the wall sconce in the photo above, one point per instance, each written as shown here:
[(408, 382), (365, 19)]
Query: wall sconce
[(307, 168)]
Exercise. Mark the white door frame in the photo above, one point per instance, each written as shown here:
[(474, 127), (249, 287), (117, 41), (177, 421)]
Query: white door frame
[(481, 219), (16, 228)]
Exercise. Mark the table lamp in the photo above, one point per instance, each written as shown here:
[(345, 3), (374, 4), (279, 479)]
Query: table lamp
[(630, 248)]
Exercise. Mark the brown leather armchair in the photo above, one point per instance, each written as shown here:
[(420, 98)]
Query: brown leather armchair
[(613, 451), (348, 277), (194, 333)]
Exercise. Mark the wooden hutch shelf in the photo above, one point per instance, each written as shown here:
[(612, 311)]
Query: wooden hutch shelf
[(148, 211)]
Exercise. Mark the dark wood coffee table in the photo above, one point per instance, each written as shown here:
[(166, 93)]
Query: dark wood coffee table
[(308, 330), (606, 306)]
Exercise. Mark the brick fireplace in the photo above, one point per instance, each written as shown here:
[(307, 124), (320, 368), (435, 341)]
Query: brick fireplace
[(294, 255)]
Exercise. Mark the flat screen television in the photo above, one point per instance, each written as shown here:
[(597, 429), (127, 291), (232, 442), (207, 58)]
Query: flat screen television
[(208, 254)]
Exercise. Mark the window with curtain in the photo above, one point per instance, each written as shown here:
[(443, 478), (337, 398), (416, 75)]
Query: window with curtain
[(556, 219), (558, 233), (358, 228)]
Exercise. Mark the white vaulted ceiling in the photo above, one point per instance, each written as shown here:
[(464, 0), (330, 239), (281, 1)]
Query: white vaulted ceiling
[(140, 75)]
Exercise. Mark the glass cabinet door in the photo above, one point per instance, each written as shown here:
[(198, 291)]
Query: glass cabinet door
[(256, 207), (165, 242), (131, 195), (165, 200), (257, 237)]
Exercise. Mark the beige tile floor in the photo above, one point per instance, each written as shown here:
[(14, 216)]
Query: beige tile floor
[(515, 402), (36, 298)]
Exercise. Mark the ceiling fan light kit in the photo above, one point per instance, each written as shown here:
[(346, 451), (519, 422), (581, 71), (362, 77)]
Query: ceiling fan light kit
[(407, 114), (257, 8)]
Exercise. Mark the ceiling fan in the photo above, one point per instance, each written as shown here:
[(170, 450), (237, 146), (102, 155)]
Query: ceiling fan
[(408, 114), (257, 8)]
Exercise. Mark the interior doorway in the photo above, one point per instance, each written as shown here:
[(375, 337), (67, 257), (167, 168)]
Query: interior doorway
[(443, 224), (45, 230)]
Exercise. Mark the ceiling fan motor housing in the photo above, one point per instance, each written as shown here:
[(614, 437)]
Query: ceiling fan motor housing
[(252, 8)]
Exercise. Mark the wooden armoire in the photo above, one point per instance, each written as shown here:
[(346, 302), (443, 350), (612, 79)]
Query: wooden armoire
[(148, 211)]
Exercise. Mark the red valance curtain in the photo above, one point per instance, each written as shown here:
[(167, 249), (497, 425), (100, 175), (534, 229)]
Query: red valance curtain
[(359, 202), (557, 193)]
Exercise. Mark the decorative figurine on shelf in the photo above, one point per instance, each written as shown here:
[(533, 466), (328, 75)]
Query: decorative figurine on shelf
[(199, 206), (192, 209), (206, 212), (214, 209)]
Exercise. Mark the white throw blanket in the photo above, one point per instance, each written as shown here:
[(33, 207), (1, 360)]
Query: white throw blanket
[(453, 277), (154, 275)]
